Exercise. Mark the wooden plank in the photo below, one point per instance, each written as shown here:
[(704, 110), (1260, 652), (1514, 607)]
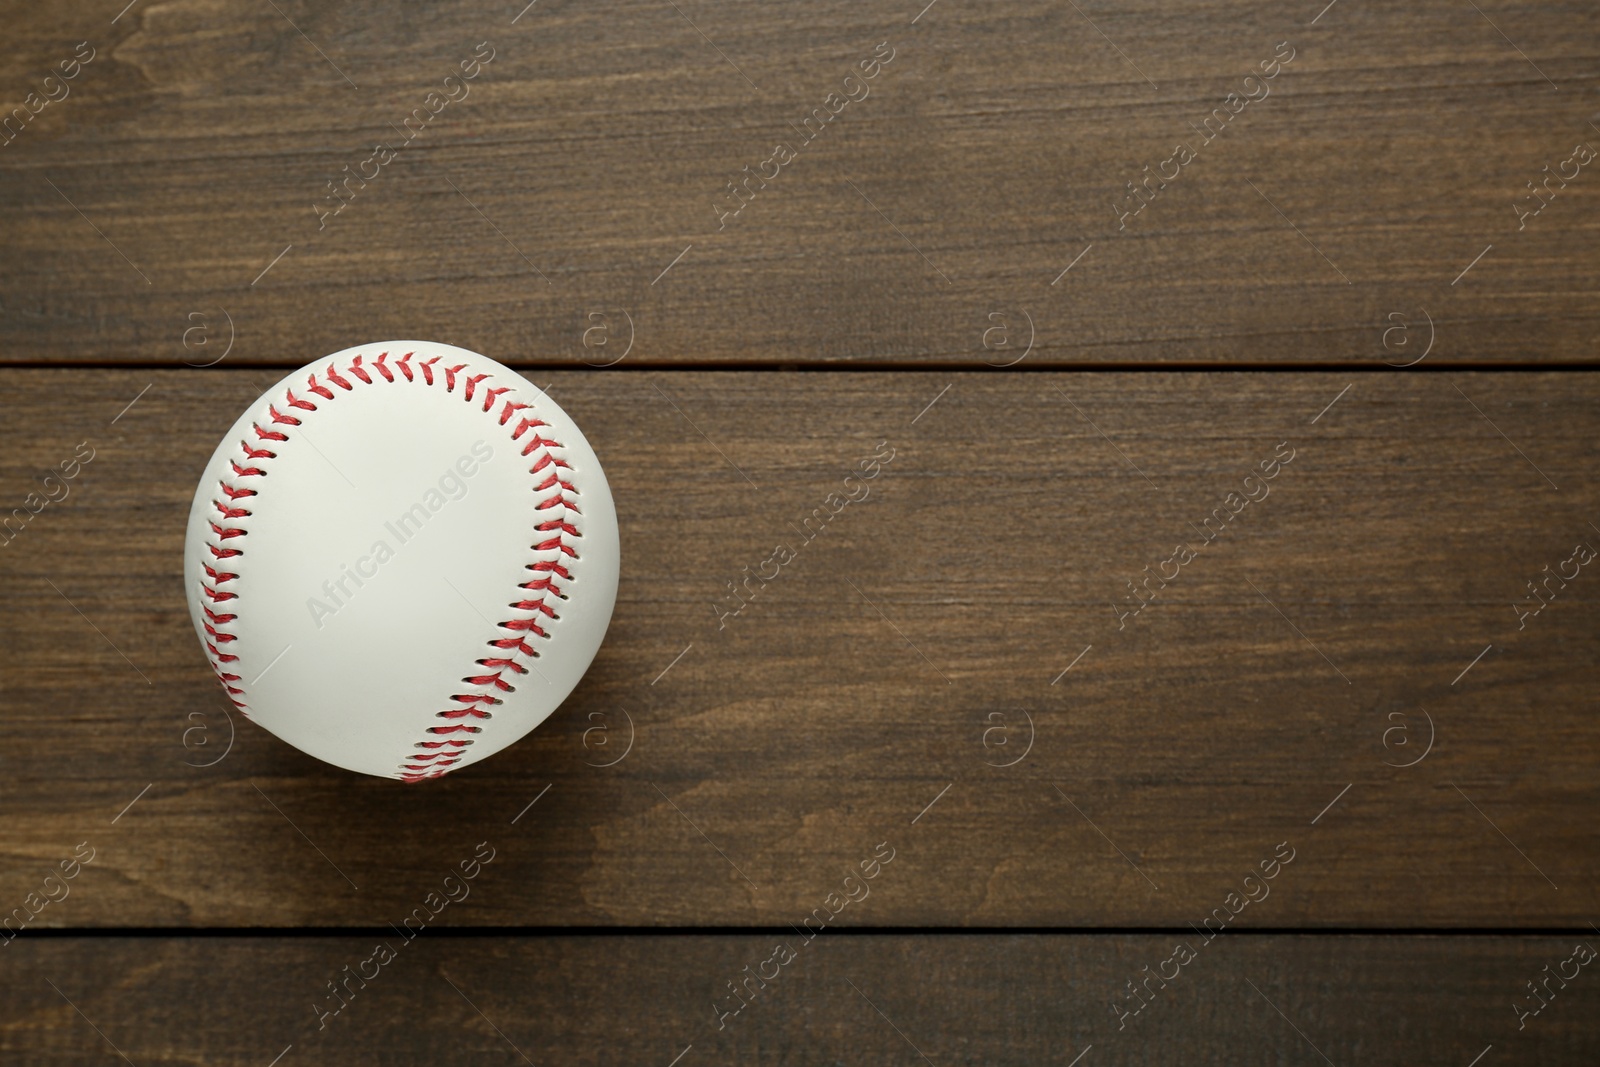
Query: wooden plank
[(872, 692), (1000, 999), (171, 205)]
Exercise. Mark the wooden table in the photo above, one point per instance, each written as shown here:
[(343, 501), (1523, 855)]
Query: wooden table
[(1329, 795)]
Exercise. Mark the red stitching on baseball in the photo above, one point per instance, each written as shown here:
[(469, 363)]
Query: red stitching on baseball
[(446, 753), (489, 395)]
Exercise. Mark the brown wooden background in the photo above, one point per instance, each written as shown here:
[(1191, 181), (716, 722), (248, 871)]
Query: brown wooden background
[(943, 270)]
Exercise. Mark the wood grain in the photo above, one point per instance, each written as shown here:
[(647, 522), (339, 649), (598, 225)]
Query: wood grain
[(941, 999), (870, 694), (167, 209)]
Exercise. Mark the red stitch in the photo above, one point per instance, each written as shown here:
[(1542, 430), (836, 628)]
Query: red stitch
[(296, 402), (545, 461), (552, 565), (540, 442), (288, 420), (246, 472), (556, 501), (455, 729), (462, 713), (235, 494), (224, 553), (555, 480), (487, 679), (225, 532), (511, 663), (333, 376), (554, 543), (321, 390), (450, 378), (256, 453), (523, 624), (525, 424), (383, 368), (542, 583), (268, 435), (220, 620), (427, 369), (219, 576), (441, 744), (230, 513), (359, 371), (536, 605), (472, 383), (517, 643), (557, 524), (405, 367), (489, 395), (221, 656), (218, 598), (511, 406)]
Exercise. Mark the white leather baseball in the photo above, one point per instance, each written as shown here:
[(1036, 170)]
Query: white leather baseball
[(402, 558)]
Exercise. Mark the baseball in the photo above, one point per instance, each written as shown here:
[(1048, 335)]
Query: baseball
[(401, 559)]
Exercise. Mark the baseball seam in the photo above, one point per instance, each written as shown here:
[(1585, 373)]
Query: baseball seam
[(442, 749)]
